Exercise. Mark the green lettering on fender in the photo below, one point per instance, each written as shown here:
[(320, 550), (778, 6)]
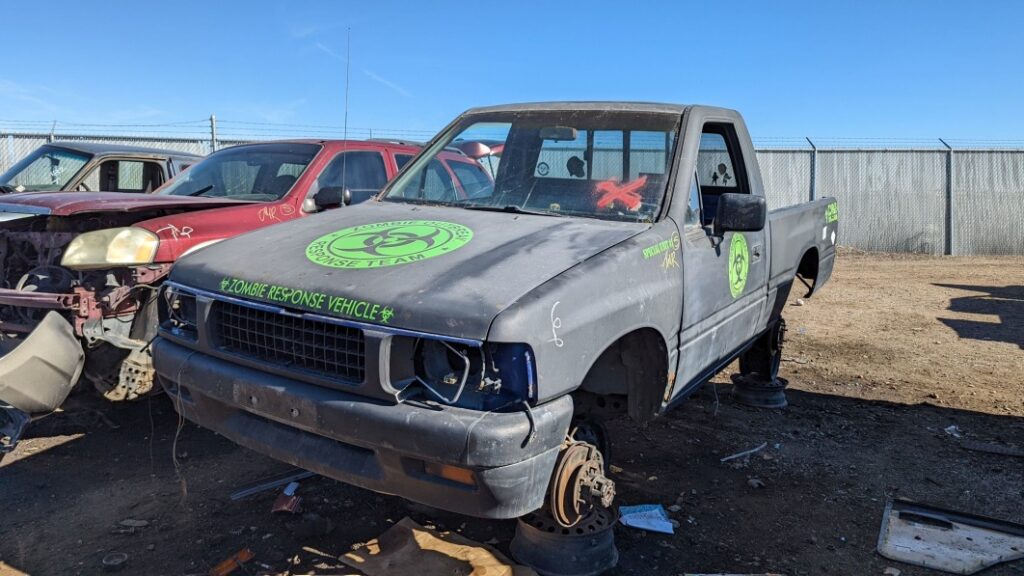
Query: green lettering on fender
[(831, 213)]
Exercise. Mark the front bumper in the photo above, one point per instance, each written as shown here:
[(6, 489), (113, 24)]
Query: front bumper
[(37, 375), (370, 443)]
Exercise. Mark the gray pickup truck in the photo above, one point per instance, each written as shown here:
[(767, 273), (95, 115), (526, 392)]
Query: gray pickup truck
[(460, 348), (94, 166)]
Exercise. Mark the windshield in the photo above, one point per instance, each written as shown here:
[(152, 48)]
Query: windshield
[(591, 164), (257, 172), (48, 168)]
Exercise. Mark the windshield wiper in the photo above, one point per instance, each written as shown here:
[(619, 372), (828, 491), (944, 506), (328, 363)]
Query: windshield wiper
[(511, 208), (7, 189), (201, 191)]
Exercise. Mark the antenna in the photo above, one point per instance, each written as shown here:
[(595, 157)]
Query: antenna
[(348, 67)]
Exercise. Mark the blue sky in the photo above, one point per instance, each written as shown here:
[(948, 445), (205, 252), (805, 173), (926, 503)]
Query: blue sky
[(893, 69)]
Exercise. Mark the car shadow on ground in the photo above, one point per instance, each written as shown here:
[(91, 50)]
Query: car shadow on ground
[(808, 502), (1006, 303)]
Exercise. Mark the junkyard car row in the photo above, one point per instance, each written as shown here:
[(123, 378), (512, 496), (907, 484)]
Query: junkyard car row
[(457, 339)]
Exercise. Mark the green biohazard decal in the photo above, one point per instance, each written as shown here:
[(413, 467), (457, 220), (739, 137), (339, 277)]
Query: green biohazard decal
[(831, 213), (739, 264), (387, 243)]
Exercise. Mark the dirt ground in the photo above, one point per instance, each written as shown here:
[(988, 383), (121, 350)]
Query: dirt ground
[(894, 351)]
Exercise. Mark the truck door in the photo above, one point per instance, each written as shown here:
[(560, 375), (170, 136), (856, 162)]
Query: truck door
[(723, 277)]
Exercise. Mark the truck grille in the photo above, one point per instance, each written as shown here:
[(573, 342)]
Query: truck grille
[(337, 352)]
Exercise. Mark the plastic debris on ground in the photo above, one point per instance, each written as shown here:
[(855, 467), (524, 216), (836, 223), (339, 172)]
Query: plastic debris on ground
[(947, 540), (287, 500), (408, 548), (651, 517), (232, 563)]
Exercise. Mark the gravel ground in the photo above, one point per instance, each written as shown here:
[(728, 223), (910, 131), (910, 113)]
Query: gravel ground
[(894, 351)]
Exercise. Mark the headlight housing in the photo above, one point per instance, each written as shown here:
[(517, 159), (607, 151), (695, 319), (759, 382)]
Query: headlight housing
[(486, 378), (128, 246), (179, 312)]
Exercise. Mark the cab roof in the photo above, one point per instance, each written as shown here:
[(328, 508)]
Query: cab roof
[(618, 106), (104, 148)]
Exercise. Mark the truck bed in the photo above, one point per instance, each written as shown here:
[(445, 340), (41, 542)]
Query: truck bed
[(796, 230)]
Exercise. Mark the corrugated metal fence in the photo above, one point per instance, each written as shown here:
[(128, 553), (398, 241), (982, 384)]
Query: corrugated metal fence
[(932, 201), (949, 200)]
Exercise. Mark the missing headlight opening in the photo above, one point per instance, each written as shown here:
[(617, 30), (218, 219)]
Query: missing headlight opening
[(181, 312), (489, 377), (440, 366)]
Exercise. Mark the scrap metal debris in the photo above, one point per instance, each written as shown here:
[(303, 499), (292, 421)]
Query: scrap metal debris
[(272, 482), (947, 540), (992, 448), (745, 453)]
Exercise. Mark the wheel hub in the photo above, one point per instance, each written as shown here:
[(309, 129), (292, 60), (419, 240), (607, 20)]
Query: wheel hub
[(578, 484)]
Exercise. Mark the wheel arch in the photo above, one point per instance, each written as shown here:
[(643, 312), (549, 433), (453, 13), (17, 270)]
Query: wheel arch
[(634, 365), (808, 269)]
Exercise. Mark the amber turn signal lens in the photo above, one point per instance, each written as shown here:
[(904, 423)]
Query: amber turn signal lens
[(453, 473)]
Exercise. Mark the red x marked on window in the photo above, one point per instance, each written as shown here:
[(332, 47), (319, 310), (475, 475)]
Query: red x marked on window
[(627, 193)]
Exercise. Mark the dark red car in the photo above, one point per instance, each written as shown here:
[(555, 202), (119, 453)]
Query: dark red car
[(79, 271)]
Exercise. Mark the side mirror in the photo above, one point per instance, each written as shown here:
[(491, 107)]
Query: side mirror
[(739, 213), (331, 197)]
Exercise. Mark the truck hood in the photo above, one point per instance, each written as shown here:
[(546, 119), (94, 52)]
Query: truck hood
[(455, 284), (70, 203)]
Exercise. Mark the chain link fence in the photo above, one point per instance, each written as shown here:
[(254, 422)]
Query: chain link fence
[(959, 198)]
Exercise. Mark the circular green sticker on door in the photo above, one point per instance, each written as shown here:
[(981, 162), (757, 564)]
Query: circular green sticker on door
[(387, 243), (739, 264)]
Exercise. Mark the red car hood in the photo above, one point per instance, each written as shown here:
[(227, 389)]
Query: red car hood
[(69, 203)]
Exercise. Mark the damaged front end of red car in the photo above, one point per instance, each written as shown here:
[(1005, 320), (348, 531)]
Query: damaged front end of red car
[(65, 313)]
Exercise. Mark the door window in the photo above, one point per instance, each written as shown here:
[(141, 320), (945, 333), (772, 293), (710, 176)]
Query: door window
[(693, 205), (402, 159), (714, 162), (358, 170), (437, 184), (475, 182), (718, 171), (124, 176)]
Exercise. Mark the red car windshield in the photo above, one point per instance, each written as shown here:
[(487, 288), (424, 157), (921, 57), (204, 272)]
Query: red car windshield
[(256, 172)]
